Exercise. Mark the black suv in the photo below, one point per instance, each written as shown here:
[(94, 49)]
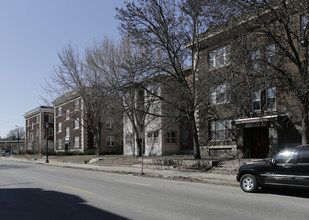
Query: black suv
[(288, 168)]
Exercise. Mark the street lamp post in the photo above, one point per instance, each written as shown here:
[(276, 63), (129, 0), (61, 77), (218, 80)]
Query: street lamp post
[(47, 126)]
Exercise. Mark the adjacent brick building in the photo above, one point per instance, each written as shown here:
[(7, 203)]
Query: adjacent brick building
[(35, 129)]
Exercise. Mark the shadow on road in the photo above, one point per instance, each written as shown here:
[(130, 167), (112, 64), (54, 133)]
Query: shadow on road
[(301, 193), (34, 203), (7, 167)]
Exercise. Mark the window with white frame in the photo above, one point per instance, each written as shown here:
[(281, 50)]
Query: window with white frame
[(110, 123), (59, 143), (67, 132), (59, 112), (220, 57), (32, 125), (31, 137), (264, 99), (153, 137), (37, 132), (28, 134), (220, 94), (220, 130), (110, 141), (256, 100), (254, 59), (76, 123), (271, 98), (303, 26), (67, 114), (76, 142), (270, 53), (59, 127), (170, 137), (76, 105)]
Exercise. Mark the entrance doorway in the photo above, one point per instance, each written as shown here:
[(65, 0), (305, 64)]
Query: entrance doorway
[(256, 140)]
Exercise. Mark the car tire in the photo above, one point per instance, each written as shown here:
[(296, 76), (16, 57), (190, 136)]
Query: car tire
[(248, 183)]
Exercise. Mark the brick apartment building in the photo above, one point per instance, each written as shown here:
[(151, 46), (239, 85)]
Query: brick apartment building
[(35, 129), (71, 133), (256, 122)]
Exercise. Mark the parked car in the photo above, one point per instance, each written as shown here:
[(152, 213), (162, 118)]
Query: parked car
[(289, 167)]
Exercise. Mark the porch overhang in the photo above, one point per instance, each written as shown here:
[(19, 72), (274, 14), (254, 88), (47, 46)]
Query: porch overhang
[(259, 119)]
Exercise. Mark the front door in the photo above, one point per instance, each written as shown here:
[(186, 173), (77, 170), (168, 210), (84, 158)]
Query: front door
[(257, 141)]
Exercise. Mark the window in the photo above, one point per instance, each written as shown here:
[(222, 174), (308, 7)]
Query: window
[(110, 123), (110, 141), (59, 113), (221, 130), (32, 124), (59, 127), (170, 137), (220, 94), (153, 137), (152, 113), (50, 119), (264, 100), (256, 101), (76, 123), (50, 132), (59, 143), (67, 132), (271, 98), (254, 59), (67, 114), (284, 157), (303, 156), (219, 57), (28, 134), (184, 137), (31, 137), (76, 105), (270, 53), (76, 142), (129, 139), (303, 26)]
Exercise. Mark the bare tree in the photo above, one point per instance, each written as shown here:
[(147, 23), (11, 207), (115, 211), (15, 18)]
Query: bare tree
[(74, 75), (170, 33)]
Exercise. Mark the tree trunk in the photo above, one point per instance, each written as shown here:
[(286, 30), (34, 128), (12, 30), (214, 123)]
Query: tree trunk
[(139, 146), (98, 143), (305, 120), (196, 145)]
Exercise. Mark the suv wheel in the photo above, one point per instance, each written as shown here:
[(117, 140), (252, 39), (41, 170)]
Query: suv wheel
[(248, 183)]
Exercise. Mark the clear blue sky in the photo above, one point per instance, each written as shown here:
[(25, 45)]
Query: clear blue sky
[(32, 32)]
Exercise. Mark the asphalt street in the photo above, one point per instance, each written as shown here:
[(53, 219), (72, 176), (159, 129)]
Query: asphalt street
[(34, 191)]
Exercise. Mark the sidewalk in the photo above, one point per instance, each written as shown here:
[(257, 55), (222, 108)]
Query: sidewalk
[(203, 177)]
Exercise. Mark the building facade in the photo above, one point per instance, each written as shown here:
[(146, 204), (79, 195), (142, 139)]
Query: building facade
[(160, 135), (72, 131), (38, 122), (253, 119)]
